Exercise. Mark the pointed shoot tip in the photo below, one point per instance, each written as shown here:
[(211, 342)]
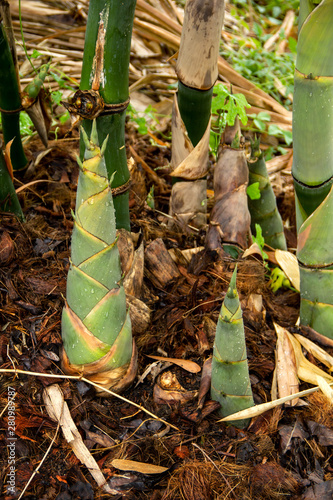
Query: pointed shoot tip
[(232, 290), (85, 138), (94, 133), (103, 148)]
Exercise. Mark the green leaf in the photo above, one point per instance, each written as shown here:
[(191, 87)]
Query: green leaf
[(260, 125), (150, 198), (264, 116), (260, 240), (278, 280), (253, 191), (35, 54), (56, 96)]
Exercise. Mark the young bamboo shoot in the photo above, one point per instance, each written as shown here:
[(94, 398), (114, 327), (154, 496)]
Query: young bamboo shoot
[(96, 328)]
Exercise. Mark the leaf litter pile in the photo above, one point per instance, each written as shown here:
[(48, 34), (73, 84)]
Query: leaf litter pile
[(162, 439)]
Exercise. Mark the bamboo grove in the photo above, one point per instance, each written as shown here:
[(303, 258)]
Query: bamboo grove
[(96, 326)]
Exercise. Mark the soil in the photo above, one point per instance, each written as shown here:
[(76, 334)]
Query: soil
[(283, 453)]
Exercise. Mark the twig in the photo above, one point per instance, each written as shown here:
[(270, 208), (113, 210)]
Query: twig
[(87, 381)]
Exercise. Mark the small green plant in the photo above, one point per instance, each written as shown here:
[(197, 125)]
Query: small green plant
[(253, 191), (144, 121), (150, 198), (226, 107), (260, 240), (278, 280)]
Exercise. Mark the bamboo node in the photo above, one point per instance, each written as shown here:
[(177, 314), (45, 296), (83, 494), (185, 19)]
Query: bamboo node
[(11, 111), (89, 104), (121, 189)]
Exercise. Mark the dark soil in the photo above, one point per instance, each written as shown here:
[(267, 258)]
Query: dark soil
[(284, 453)]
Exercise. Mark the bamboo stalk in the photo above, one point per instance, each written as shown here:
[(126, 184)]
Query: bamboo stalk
[(104, 83), (8, 197), (197, 72), (10, 102), (314, 253), (313, 108)]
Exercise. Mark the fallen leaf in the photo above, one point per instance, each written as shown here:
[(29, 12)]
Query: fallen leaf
[(289, 265), (205, 382), (315, 350), (141, 467), (8, 159), (186, 364), (6, 248), (254, 411), (286, 369), (254, 249), (325, 388), (323, 433), (182, 452), (306, 370)]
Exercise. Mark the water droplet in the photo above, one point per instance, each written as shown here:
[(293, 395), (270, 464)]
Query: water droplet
[(92, 290)]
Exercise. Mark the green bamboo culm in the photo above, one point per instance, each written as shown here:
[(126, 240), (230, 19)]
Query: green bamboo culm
[(197, 72), (315, 257), (231, 385), (96, 328), (8, 198), (107, 51), (10, 102), (313, 107), (264, 210)]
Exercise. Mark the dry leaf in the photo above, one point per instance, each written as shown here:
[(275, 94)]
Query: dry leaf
[(286, 370), (169, 390), (186, 364), (162, 396), (255, 411), (254, 249), (134, 466), (306, 370), (205, 382), (289, 265), (8, 159), (325, 388), (316, 351)]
